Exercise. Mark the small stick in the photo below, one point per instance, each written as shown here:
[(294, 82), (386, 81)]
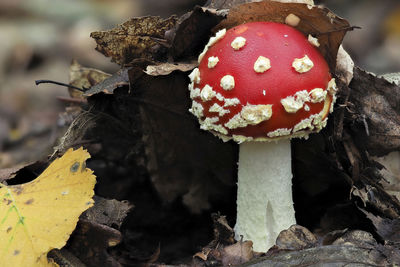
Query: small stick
[(37, 82)]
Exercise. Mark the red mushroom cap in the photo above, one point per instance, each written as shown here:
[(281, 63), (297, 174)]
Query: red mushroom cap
[(261, 81)]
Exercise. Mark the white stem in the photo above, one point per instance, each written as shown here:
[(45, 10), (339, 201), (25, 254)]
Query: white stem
[(264, 200)]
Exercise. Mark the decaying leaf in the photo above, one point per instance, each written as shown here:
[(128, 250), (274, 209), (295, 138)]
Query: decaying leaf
[(328, 255), (223, 4), (91, 241), (223, 237), (193, 31), (318, 21), (82, 77), (237, 253), (376, 117), (223, 233), (40, 215), (296, 238), (9, 173), (76, 131), (65, 258), (108, 85), (108, 212), (167, 68), (136, 38), (388, 229)]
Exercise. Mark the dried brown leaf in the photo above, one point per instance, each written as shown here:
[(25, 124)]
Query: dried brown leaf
[(237, 253), (90, 242), (167, 68), (110, 212), (317, 21), (9, 173), (331, 256), (136, 38), (223, 233), (356, 238), (375, 117), (108, 85), (193, 31), (296, 237), (82, 77)]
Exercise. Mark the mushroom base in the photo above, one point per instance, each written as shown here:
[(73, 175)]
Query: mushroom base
[(264, 200)]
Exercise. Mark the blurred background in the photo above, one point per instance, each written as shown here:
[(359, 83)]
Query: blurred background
[(39, 38)]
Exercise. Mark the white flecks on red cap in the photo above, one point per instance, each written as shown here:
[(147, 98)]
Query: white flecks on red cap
[(238, 42), (195, 92), (227, 82), (332, 89), (304, 124), (195, 76), (209, 124), (212, 62), (279, 132), (250, 115), (207, 93), (231, 101), (293, 103), (219, 35), (220, 110), (254, 114), (292, 20), (303, 64), (312, 40), (236, 122), (197, 109), (306, 107), (220, 97), (262, 64), (317, 95), (241, 138)]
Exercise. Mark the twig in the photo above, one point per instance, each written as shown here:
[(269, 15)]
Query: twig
[(37, 82)]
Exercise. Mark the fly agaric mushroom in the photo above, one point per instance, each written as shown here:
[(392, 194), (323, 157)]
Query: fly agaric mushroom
[(262, 81)]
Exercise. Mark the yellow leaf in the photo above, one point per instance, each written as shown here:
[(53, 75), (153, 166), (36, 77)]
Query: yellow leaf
[(40, 215)]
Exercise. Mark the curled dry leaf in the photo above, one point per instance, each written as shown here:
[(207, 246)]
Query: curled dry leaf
[(223, 4), (82, 77), (356, 238), (90, 242), (223, 236), (136, 38), (193, 31), (387, 229), (375, 117), (296, 237), (108, 85), (344, 66), (167, 68), (330, 256), (9, 173), (237, 253), (109, 212), (318, 21)]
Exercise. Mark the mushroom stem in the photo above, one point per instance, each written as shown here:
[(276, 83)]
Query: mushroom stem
[(264, 200)]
